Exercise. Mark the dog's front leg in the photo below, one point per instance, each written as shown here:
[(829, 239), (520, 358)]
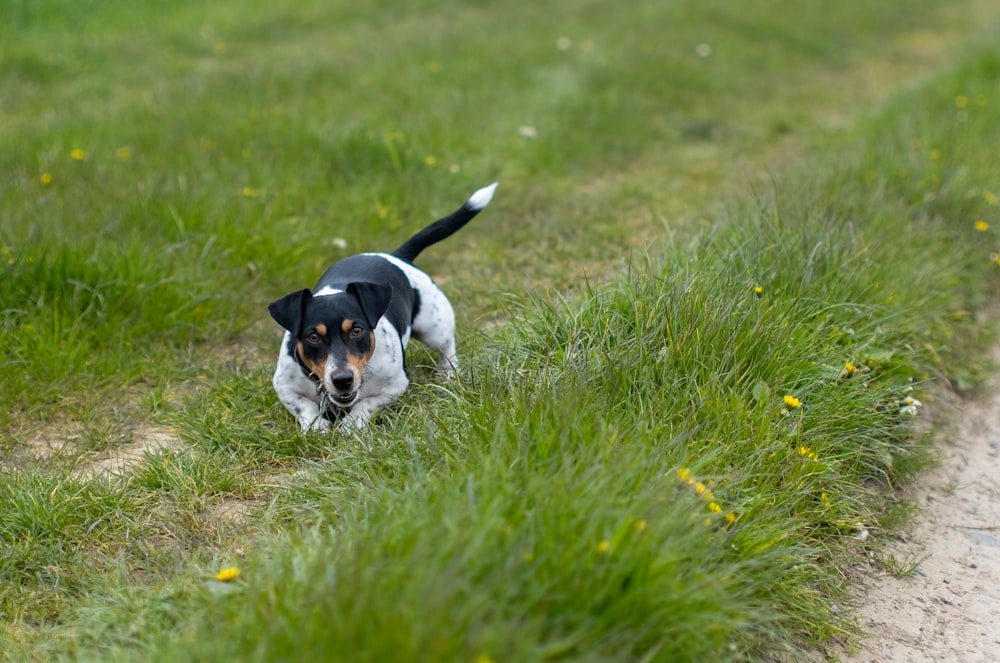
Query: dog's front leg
[(362, 411), (306, 411)]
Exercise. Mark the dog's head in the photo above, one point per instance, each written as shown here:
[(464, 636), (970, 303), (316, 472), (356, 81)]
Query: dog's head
[(334, 335)]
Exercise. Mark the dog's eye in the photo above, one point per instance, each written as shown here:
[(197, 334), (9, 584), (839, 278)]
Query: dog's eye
[(313, 338), (357, 331)]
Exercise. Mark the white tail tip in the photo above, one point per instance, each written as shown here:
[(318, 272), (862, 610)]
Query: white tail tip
[(482, 197)]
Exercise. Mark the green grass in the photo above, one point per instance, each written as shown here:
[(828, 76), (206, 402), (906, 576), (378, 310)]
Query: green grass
[(616, 475)]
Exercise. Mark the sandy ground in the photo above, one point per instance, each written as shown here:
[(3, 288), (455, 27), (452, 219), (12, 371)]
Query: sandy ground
[(949, 609)]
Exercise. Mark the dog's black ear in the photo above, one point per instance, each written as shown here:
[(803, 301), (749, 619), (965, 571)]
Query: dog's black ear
[(287, 311), (373, 297)]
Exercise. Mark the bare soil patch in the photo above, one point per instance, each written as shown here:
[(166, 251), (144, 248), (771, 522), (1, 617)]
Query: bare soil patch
[(948, 609), (148, 440)]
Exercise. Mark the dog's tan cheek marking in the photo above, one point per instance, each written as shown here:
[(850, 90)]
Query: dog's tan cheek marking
[(317, 368), (359, 362)]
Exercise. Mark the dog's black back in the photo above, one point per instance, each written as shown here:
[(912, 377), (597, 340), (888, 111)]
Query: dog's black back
[(373, 268)]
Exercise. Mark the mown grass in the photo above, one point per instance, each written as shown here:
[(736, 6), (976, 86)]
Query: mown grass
[(617, 475)]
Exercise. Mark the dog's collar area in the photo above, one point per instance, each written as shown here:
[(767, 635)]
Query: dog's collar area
[(305, 369)]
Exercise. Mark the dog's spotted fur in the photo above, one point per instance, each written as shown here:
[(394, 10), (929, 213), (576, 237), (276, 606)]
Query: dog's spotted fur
[(342, 355)]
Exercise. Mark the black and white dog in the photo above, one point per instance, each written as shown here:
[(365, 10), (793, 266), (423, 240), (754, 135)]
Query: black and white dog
[(344, 341)]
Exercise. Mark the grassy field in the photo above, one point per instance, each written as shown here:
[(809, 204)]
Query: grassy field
[(732, 249)]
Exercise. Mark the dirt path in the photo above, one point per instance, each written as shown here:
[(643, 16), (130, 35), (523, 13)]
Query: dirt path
[(949, 609)]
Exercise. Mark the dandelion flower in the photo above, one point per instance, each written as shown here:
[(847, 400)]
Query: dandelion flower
[(46, 178), (603, 548), (990, 198), (78, 154), (730, 517), (849, 369), (714, 507), (250, 192), (228, 574), (758, 290), (430, 160), (684, 474), (124, 154), (791, 402), (699, 488), (934, 155), (961, 101), (981, 226)]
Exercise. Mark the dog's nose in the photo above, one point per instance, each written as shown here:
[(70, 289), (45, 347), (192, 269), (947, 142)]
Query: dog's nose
[(342, 381)]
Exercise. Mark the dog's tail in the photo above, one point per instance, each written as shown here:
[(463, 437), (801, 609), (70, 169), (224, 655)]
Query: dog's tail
[(446, 227)]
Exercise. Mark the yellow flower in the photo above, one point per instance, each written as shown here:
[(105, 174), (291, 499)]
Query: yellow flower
[(124, 153), (961, 101), (78, 154), (699, 488), (714, 507), (228, 574), (46, 178), (640, 525), (250, 192), (849, 369), (981, 226), (934, 155), (758, 290), (684, 474), (483, 658), (730, 517), (990, 198), (603, 548), (430, 160), (791, 402)]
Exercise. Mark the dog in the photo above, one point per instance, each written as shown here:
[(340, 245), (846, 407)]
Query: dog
[(342, 356)]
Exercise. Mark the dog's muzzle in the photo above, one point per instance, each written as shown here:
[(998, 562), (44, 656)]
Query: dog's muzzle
[(344, 400)]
